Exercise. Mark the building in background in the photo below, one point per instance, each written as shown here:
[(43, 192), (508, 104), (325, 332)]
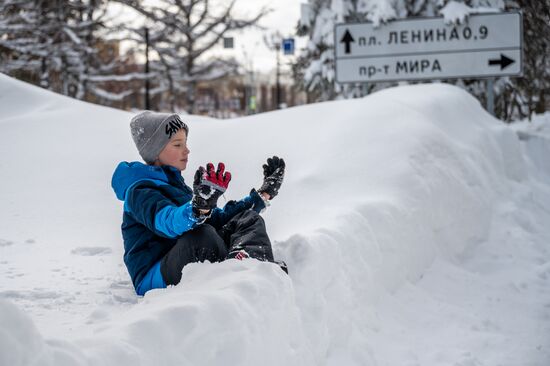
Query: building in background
[(239, 95)]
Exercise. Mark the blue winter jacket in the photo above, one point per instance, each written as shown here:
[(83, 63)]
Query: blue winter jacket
[(157, 210)]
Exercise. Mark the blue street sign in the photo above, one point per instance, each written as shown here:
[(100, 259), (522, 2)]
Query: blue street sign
[(288, 46)]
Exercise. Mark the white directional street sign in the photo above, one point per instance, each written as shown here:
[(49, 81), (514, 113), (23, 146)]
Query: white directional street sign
[(487, 45)]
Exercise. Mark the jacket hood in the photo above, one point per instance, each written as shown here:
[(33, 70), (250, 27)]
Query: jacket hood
[(126, 174)]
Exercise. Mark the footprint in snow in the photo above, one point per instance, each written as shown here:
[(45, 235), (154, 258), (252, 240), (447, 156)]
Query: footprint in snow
[(90, 251), (121, 285), (30, 295), (98, 316), (5, 243), (125, 298)]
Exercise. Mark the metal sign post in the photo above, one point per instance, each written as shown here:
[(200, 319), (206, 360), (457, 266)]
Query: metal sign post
[(488, 45), (491, 96)]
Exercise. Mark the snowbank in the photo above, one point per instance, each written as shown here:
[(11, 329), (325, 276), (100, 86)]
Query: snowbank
[(388, 201)]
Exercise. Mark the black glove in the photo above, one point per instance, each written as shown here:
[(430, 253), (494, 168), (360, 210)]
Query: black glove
[(274, 172), (208, 186)]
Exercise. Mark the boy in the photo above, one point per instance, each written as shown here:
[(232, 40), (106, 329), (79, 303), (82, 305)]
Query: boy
[(167, 225)]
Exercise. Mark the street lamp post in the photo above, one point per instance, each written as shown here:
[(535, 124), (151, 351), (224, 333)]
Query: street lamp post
[(273, 42), (147, 101), (278, 75)]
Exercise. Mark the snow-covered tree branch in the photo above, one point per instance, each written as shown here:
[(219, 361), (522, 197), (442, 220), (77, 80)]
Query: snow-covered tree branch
[(58, 42), (315, 66)]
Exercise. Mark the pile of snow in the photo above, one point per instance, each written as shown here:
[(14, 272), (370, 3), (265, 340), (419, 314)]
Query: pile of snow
[(415, 227)]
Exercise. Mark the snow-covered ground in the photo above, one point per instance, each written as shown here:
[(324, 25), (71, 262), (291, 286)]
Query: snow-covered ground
[(416, 229)]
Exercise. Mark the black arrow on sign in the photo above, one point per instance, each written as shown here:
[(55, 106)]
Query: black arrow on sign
[(503, 62), (347, 39)]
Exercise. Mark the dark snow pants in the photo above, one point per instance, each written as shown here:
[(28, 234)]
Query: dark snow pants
[(245, 231)]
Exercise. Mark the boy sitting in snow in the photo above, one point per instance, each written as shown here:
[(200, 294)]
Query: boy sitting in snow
[(167, 225)]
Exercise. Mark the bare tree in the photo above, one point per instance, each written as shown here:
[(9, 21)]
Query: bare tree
[(181, 32)]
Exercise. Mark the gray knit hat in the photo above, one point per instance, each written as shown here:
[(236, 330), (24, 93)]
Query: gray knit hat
[(151, 132)]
